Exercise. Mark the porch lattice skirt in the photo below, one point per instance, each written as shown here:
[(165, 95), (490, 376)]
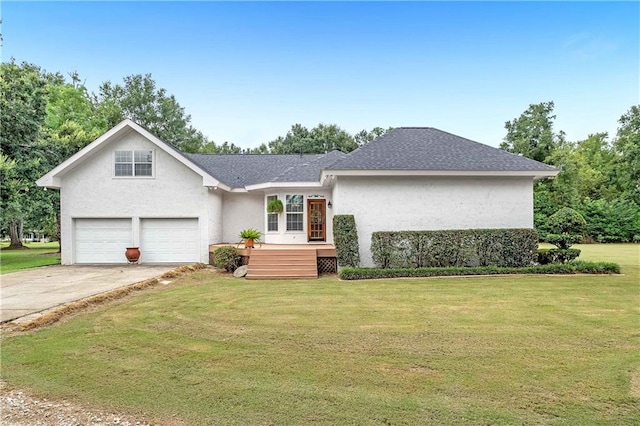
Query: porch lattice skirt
[(327, 265)]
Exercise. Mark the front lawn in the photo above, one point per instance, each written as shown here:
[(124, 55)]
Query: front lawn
[(37, 254), (209, 349)]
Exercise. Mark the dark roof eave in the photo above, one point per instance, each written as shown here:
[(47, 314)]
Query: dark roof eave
[(422, 172)]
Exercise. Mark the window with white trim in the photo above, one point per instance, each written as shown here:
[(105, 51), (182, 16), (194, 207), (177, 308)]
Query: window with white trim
[(272, 218), (134, 163), (295, 208)]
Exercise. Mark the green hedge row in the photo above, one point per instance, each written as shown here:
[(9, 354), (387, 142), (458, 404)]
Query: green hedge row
[(465, 247), (577, 267), (345, 238)]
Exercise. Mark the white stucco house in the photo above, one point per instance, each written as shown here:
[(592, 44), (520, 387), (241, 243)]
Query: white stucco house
[(129, 188)]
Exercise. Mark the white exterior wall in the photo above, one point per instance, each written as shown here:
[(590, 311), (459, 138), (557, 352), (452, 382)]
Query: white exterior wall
[(432, 203), (241, 211), (282, 236), (90, 190), (215, 216)]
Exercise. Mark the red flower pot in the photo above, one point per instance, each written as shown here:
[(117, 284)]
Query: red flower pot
[(132, 254)]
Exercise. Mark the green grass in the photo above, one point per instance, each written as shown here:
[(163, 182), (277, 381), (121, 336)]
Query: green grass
[(209, 349), (37, 254)]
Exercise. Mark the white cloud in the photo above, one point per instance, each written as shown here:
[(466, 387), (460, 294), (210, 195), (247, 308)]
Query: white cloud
[(587, 47)]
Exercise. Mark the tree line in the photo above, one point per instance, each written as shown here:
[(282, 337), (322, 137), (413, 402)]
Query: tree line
[(47, 117), (600, 177)]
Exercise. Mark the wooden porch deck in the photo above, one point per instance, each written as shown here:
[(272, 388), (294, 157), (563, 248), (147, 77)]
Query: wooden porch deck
[(323, 250), (286, 261)]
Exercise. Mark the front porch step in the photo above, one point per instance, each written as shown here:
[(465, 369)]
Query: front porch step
[(281, 275), (276, 266), (283, 258), (269, 264)]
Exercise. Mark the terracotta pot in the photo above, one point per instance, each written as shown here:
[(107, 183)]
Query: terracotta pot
[(248, 242), (132, 254)]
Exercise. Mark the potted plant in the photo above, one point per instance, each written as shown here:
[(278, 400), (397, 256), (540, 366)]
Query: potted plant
[(275, 206), (250, 236)]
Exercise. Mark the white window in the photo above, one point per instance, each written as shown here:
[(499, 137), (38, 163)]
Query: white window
[(295, 212), (134, 163), (272, 218)]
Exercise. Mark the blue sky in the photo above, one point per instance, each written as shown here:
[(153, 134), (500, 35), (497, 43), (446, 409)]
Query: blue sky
[(246, 72)]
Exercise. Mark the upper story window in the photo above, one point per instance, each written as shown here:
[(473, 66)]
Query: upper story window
[(134, 163)]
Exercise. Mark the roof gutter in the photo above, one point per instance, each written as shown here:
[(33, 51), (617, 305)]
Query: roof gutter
[(269, 185), (536, 174)]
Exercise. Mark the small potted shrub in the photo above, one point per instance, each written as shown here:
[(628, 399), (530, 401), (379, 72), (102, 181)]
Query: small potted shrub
[(275, 206), (250, 236)]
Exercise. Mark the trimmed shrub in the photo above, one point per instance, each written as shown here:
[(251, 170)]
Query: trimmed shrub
[(563, 241), (546, 256), (577, 267), (567, 227), (457, 248), (226, 258), (564, 255), (345, 238), (543, 257)]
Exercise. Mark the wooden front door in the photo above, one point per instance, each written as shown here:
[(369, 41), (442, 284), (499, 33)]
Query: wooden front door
[(316, 220)]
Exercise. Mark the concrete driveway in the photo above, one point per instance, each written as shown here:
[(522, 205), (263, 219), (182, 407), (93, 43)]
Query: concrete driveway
[(35, 290)]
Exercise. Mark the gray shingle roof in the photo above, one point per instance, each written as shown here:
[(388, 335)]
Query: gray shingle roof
[(404, 148), (310, 172), (426, 148), (240, 170)]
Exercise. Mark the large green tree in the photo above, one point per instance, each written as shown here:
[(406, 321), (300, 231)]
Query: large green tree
[(140, 100), (72, 121), (586, 168), (364, 136), (226, 148), (320, 139), (532, 134), (595, 159), (297, 140), (23, 110), (627, 147)]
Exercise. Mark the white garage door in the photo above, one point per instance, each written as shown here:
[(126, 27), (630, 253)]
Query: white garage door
[(101, 240), (169, 240)]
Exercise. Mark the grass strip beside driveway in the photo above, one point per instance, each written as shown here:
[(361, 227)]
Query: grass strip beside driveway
[(35, 255)]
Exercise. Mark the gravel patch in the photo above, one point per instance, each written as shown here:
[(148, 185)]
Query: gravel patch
[(19, 409)]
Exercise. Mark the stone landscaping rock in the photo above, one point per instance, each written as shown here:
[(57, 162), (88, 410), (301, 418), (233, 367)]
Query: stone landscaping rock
[(241, 271)]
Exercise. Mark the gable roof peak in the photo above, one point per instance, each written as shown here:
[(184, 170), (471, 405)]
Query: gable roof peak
[(52, 179)]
